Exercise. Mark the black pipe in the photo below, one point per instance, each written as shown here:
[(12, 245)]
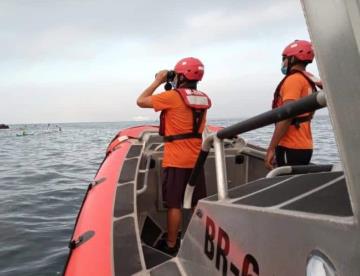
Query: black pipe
[(198, 167), (292, 109), (302, 169)]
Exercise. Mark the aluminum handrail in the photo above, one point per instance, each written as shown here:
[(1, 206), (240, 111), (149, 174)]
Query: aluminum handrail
[(146, 177), (220, 166), (299, 169)]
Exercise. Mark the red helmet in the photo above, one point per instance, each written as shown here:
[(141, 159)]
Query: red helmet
[(191, 68), (301, 49)]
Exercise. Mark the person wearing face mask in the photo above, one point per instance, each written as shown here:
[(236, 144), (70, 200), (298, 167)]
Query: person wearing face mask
[(291, 142), (182, 121)]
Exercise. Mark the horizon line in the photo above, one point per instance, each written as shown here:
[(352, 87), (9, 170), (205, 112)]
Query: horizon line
[(136, 121)]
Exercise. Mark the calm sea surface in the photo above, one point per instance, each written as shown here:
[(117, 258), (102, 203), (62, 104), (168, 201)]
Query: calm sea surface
[(43, 178)]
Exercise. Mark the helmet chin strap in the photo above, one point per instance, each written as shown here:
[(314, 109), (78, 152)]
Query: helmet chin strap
[(181, 82), (290, 64), (178, 81)]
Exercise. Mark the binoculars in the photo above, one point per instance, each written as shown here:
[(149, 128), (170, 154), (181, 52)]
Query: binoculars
[(169, 78)]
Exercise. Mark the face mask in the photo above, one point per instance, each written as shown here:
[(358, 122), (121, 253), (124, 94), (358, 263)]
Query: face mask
[(284, 67)]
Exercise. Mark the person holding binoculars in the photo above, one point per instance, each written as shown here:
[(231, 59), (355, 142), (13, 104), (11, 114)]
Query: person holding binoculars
[(182, 121)]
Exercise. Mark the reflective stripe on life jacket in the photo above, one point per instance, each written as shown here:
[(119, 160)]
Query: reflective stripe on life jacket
[(312, 80), (199, 102)]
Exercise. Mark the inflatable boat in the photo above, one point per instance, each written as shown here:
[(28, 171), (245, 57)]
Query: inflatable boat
[(289, 221), (122, 218)]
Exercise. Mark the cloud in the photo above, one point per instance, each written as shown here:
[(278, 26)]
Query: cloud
[(227, 23), (77, 60), (236, 22), (79, 29)]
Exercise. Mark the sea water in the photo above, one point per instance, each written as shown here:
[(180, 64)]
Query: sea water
[(44, 176)]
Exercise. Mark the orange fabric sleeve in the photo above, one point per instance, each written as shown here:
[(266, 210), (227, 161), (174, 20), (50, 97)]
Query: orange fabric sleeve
[(292, 88), (164, 100)]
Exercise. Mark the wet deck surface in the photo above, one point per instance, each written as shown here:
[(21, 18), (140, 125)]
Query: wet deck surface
[(333, 200), (320, 193), (154, 257)]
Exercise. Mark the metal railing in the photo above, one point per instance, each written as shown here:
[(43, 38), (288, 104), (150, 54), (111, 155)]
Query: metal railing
[(146, 177), (307, 104), (299, 169)]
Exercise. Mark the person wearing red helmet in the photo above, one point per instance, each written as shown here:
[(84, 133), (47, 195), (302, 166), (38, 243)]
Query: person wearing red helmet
[(291, 143), (182, 121)]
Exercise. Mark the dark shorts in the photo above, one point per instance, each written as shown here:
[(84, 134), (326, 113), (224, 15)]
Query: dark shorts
[(174, 182), (289, 157)]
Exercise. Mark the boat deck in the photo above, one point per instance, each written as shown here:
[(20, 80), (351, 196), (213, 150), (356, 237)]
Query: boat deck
[(316, 193), (319, 193)]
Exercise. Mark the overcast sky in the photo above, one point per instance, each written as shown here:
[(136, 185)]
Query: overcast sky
[(87, 61)]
